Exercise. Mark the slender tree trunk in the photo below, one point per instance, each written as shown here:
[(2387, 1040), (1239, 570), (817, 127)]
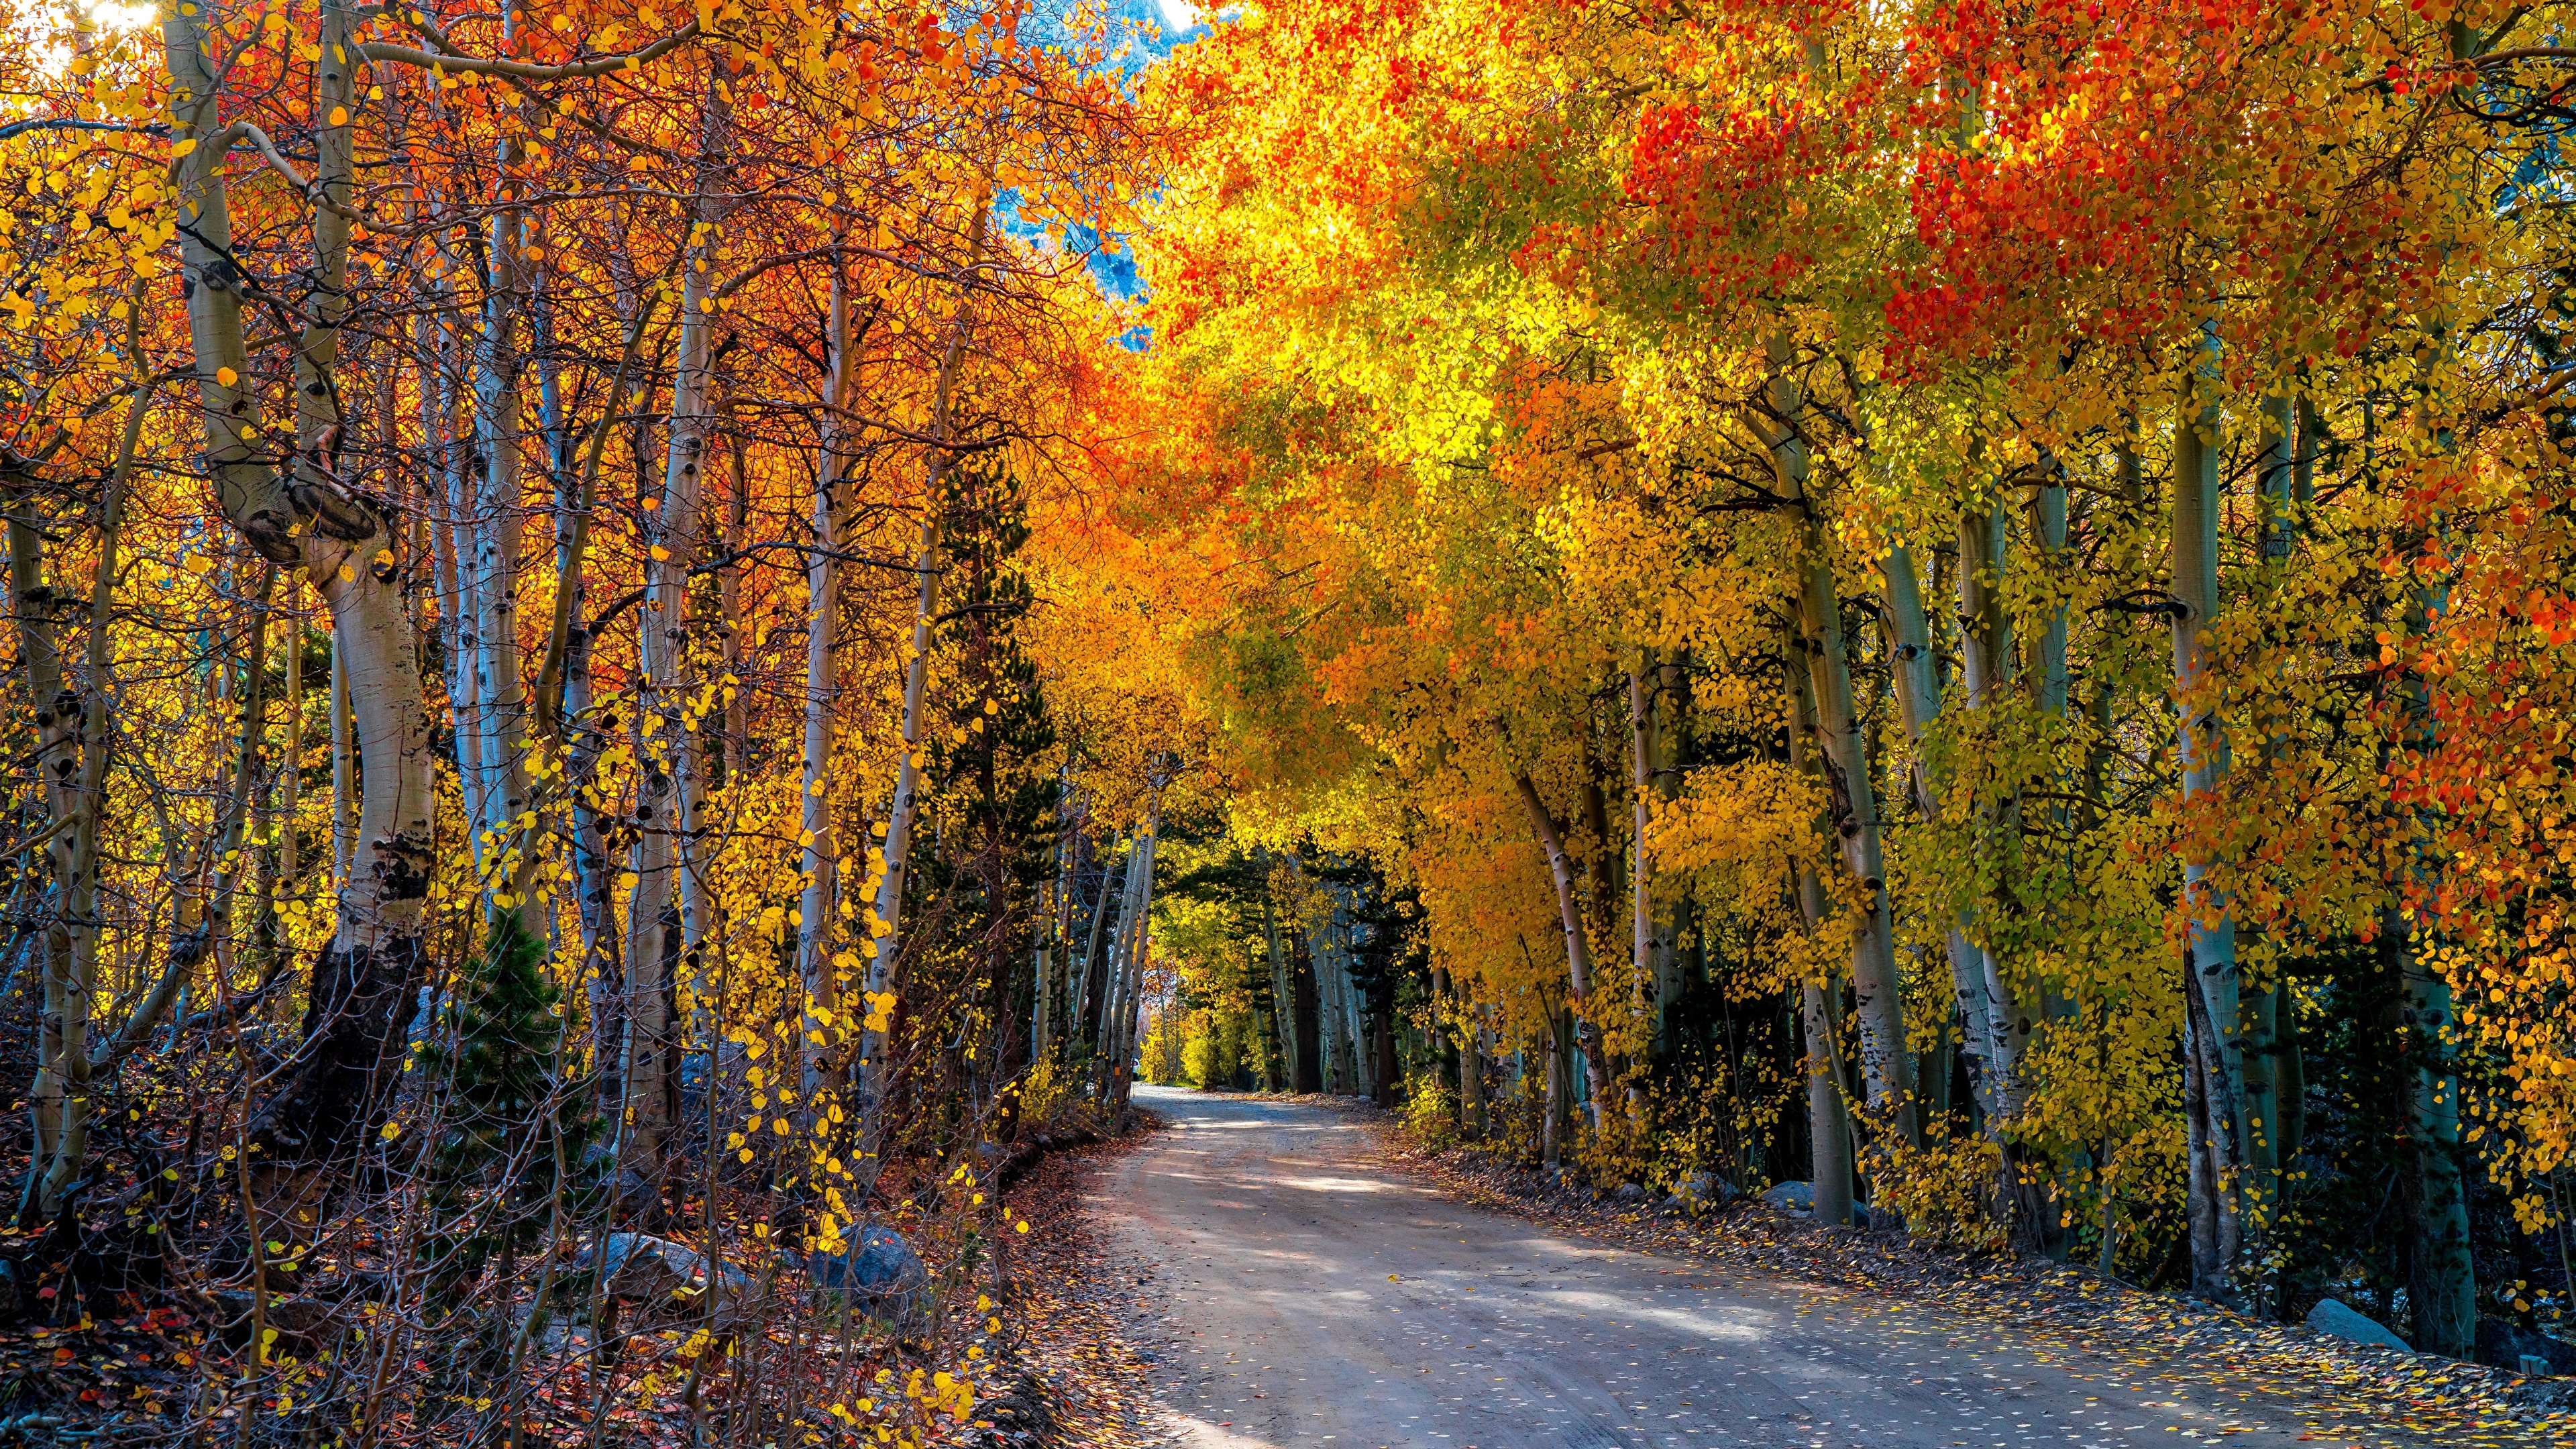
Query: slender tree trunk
[(664, 751), (1282, 990), (1471, 1080), (499, 723), (319, 1110), (1986, 673), (343, 775), (896, 852), (1578, 953), (1644, 944), (2441, 1280), (819, 851), (1829, 1130), (563, 710), (1355, 1034), (1918, 701), (1887, 1063), (1092, 981), (1665, 718), (1140, 947), (2210, 952), (290, 775)]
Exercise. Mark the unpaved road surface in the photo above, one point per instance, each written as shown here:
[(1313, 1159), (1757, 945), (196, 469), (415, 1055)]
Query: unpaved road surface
[(1298, 1296)]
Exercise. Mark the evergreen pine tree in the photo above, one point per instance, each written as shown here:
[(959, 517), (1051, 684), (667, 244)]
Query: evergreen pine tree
[(506, 1115)]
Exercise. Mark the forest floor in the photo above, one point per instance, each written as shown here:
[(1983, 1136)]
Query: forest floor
[(1285, 1273)]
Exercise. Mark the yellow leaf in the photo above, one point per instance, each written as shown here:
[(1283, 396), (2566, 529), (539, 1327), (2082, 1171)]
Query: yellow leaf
[(226, 377)]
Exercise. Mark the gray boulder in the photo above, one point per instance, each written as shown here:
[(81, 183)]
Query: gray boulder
[(880, 1273), (2520, 1350), (1703, 1190), (2336, 1319), (1796, 1197), (1629, 1192), (641, 1268)]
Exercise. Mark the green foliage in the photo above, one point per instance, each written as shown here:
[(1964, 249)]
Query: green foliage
[(508, 1156)]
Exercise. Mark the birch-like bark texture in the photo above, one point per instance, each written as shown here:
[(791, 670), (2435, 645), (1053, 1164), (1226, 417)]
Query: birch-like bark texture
[(1130, 1014), (1355, 1033), (343, 817), (1887, 1063), (1578, 952), (818, 851), (655, 934), (321, 1106), (1121, 952), (2209, 959), (1471, 1080), (2277, 530), (1829, 1132), (1986, 655), (897, 850), (499, 720), (1332, 1023), (1282, 990), (1646, 964), (1088, 994), (1053, 954), (1918, 702)]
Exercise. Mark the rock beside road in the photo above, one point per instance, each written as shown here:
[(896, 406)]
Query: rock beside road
[(2506, 1345), (881, 1273), (2337, 1319)]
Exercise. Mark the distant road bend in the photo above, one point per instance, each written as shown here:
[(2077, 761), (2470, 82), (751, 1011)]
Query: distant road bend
[(1317, 1301)]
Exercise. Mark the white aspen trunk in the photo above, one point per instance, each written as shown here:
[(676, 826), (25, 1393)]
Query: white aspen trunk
[(1363, 1052), (1332, 1009), (896, 853), (1887, 1063), (663, 748), (343, 821), (1041, 994), (1829, 1132), (1139, 949), (65, 757), (499, 724), (290, 778), (1282, 989), (1328, 1011), (1471, 1080), (1092, 982), (321, 1107), (1578, 951), (460, 611), (2210, 951), (1985, 675), (1114, 984), (1053, 952), (1553, 1109), (819, 851), (1647, 958), (1918, 701), (562, 708)]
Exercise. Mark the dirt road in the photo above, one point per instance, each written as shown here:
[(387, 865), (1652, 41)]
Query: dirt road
[(1307, 1299)]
